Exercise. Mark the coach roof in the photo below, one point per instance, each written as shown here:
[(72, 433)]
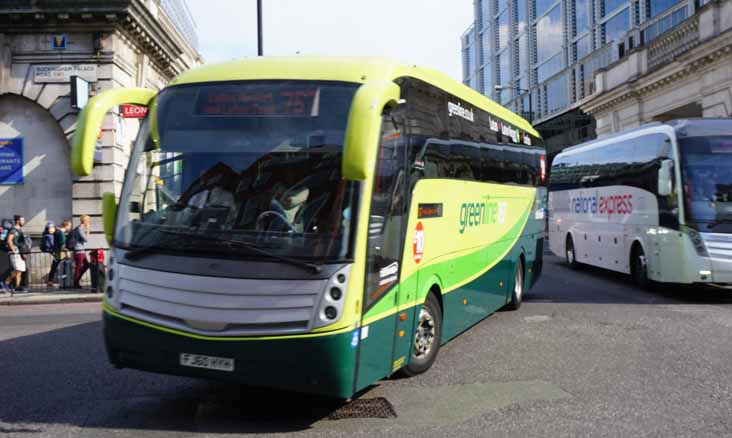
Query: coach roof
[(344, 69)]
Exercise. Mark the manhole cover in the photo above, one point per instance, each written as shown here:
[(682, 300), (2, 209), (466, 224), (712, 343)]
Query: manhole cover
[(365, 408)]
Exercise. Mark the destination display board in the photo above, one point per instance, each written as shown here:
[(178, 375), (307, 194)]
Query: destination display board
[(265, 101)]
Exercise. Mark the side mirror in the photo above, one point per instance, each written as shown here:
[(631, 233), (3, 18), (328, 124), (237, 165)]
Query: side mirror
[(109, 215), (665, 177), (364, 128), (90, 121)]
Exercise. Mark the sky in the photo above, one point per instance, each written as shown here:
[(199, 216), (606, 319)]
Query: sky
[(422, 32)]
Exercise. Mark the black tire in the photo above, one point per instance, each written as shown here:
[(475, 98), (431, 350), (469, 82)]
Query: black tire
[(422, 360), (639, 268), (570, 254), (519, 285)]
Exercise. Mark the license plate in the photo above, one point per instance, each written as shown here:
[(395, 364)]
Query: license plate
[(208, 362)]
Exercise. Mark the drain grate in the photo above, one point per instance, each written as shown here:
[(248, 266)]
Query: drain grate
[(378, 407)]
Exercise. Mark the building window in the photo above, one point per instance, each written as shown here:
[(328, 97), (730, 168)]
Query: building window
[(521, 15), (488, 84), (655, 7), (663, 25), (487, 36), (549, 34), (609, 6), (504, 96), (504, 68), (616, 27), (542, 6), (502, 4), (556, 94), (486, 13), (525, 107), (502, 24), (523, 54), (523, 82), (549, 68), (583, 46), (582, 16)]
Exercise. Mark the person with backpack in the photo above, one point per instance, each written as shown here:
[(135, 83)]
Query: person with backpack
[(79, 238), (5, 226), (48, 246), (18, 248), (65, 269)]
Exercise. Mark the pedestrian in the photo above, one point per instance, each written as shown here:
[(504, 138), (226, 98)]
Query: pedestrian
[(64, 268), (79, 238), (5, 226), (18, 248), (48, 246)]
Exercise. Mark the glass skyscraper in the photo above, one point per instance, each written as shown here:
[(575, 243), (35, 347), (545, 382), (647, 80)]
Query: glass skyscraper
[(181, 16), (548, 50)]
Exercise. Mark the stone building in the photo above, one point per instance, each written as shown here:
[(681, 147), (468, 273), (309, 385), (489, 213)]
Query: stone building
[(110, 43), (685, 72)]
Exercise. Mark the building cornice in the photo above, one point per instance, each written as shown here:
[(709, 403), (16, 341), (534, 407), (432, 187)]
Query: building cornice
[(716, 50), (156, 36)]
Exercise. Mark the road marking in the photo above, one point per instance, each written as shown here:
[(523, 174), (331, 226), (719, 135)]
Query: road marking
[(537, 318)]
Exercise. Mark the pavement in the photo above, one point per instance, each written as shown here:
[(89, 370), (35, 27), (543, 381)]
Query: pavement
[(587, 354), (50, 296)]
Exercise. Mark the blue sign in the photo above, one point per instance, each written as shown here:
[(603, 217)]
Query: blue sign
[(59, 42), (11, 161)]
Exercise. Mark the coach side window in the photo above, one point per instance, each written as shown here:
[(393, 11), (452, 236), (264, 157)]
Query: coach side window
[(465, 161), (436, 160)]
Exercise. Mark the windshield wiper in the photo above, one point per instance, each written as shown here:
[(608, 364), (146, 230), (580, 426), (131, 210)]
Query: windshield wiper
[(178, 237), (310, 266), (138, 253), (714, 223)]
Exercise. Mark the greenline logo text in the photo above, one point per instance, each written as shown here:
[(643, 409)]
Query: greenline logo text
[(473, 214)]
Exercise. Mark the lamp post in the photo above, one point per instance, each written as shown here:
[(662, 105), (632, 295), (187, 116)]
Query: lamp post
[(260, 48), (520, 90)]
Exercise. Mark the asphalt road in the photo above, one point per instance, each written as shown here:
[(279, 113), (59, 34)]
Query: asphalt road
[(587, 355)]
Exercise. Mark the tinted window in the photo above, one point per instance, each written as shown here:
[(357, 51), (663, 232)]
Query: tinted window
[(551, 34), (632, 163), (616, 27)]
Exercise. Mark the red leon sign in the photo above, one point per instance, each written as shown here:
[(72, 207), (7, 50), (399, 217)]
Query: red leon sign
[(133, 111)]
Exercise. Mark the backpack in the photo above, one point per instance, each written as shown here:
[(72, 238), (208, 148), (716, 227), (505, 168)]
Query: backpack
[(47, 243), (5, 226), (23, 241), (71, 239)]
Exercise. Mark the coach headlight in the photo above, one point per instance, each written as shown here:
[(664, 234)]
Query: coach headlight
[(332, 298), (111, 291), (697, 241)]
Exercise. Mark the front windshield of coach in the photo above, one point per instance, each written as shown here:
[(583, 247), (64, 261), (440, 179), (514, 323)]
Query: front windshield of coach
[(256, 163), (707, 174)]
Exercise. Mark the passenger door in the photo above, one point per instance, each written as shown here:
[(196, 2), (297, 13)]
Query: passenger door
[(387, 218)]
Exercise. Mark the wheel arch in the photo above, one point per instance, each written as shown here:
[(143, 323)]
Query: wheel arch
[(634, 246)]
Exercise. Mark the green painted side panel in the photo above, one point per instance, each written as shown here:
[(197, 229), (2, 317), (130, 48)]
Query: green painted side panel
[(321, 365), (470, 303), (403, 344), (375, 351), (454, 271)]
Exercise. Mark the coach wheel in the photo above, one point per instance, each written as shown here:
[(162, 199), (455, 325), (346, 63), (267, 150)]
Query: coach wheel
[(427, 338), (518, 287), (570, 253), (639, 268)]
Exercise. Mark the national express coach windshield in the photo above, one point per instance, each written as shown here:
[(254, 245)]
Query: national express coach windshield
[(242, 170)]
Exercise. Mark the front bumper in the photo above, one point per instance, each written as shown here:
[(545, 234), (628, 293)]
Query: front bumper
[(719, 247), (319, 365)]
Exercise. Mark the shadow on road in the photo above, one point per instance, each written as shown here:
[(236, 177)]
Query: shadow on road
[(62, 377), (588, 284)]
